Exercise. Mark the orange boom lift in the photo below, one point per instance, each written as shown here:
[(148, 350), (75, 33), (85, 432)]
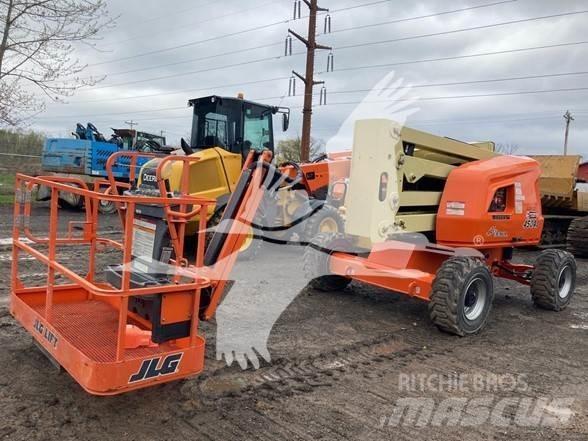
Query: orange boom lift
[(138, 326)]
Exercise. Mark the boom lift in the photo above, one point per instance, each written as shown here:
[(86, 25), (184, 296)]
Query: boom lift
[(139, 326), (472, 214)]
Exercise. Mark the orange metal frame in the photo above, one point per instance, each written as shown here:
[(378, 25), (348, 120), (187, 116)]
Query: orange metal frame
[(85, 324)]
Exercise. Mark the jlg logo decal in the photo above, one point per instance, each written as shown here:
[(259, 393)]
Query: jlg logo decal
[(155, 367)]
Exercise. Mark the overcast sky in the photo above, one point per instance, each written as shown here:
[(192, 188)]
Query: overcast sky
[(146, 76)]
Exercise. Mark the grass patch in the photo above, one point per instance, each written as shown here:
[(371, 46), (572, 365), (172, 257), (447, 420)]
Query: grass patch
[(7, 183), (7, 179), (6, 199)]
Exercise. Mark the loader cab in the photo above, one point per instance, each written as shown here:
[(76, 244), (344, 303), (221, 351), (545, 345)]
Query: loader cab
[(233, 124)]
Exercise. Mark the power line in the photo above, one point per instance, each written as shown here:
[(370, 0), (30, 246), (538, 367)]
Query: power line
[(502, 117), (208, 57), (485, 95), (176, 92), (349, 8), (191, 25), (238, 33), (360, 101), (455, 31), (455, 83), (209, 69), (192, 43), (264, 46), (340, 48), (459, 57), (247, 83), (461, 83), (420, 17)]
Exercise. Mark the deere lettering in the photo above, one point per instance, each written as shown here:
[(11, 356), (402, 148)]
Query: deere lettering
[(149, 177)]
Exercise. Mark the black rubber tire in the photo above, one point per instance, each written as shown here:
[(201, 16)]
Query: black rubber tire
[(312, 226), (109, 208), (447, 308), (550, 267), (316, 262), (577, 237)]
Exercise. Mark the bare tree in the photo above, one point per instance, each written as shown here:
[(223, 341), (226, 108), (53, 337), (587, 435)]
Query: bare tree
[(289, 149), (37, 51), (506, 148)]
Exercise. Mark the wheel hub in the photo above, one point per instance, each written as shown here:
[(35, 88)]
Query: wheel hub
[(564, 282), (475, 299), (328, 225)]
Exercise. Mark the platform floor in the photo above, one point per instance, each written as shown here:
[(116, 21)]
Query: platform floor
[(91, 326)]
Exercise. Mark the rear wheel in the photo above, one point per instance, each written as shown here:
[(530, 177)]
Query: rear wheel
[(554, 280), (577, 237), (106, 207), (326, 220), (316, 262), (461, 296)]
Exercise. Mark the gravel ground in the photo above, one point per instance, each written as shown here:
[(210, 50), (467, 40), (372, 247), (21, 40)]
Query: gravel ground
[(342, 365)]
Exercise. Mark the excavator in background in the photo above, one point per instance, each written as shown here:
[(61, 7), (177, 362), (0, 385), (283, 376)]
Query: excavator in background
[(136, 324)]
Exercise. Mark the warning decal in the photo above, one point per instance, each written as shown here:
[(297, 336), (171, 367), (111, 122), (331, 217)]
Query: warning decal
[(143, 239)]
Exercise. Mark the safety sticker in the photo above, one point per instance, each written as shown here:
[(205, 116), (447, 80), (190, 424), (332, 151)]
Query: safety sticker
[(143, 238), (531, 221), (455, 208)]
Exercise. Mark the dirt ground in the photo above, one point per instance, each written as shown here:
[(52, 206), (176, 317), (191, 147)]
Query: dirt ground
[(339, 360)]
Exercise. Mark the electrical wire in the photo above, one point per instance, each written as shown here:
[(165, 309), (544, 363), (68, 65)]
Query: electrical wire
[(378, 66), (458, 57), (421, 17), (455, 31), (485, 95), (342, 103)]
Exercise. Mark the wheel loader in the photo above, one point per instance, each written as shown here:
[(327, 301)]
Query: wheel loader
[(136, 324), (224, 131)]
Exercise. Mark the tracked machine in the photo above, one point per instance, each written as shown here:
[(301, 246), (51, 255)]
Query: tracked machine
[(135, 323)]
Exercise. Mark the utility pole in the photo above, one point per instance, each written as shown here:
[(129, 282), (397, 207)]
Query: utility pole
[(308, 79), (569, 118), (131, 123), (162, 132)]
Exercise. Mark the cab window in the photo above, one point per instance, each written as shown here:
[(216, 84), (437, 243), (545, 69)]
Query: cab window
[(215, 130), (498, 204), (256, 133)]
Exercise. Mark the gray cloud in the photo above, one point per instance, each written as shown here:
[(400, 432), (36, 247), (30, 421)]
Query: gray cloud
[(533, 121)]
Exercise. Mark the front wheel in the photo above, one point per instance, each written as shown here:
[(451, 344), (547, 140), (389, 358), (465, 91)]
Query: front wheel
[(554, 280), (461, 296), (316, 262)]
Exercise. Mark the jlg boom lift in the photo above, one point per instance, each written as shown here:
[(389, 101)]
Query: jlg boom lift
[(138, 325)]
